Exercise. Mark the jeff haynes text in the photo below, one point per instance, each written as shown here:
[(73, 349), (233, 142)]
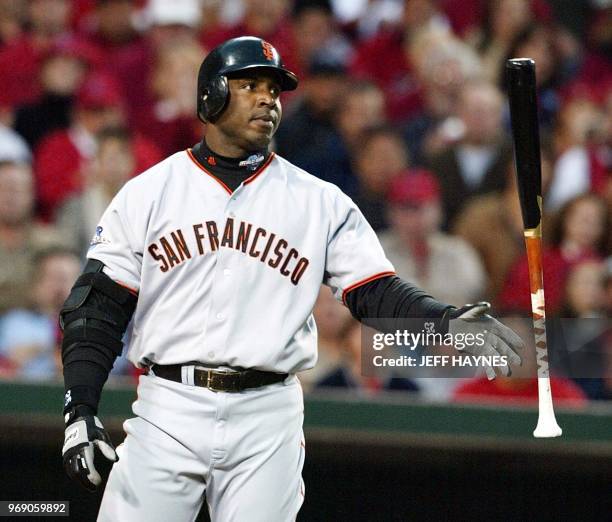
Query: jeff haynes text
[(441, 360)]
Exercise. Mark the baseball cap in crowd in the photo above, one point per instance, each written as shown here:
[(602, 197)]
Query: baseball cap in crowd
[(414, 187), (176, 12), (99, 90)]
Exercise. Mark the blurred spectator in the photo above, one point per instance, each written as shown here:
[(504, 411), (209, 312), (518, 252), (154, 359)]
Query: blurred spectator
[(386, 58), (584, 348), (221, 13), (20, 237), (592, 71), (61, 74), (171, 121), (495, 219), (29, 337), (361, 107), (12, 17), (348, 374), (420, 252), (585, 291), (111, 167), (12, 146), (379, 159), (578, 168), (476, 164), (603, 150), (536, 42), (315, 33), (20, 59), (309, 123), (503, 21), (331, 316), (443, 64), (582, 229), (522, 386), (110, 27), (368, 17), (162, 22), (581, 232), (61, 157)]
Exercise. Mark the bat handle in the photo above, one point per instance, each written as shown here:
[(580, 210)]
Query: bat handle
[(547, 423)]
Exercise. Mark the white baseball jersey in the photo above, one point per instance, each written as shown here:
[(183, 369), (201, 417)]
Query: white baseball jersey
[(231, 278)]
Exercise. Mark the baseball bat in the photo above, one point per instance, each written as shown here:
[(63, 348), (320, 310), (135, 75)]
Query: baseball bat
[(521, 78)]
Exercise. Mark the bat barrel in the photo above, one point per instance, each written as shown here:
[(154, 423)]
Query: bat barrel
[(521, 80)]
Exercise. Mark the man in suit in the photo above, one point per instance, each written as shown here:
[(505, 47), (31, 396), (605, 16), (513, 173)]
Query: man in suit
[(475, 164)]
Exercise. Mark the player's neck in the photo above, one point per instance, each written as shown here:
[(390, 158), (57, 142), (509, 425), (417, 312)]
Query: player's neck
[(228, 150)]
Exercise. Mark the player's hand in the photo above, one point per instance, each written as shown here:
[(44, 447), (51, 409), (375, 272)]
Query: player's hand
[(499, 339), (84, 431)]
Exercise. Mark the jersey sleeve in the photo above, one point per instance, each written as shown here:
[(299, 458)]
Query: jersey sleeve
[(354, 254), (115, 244)]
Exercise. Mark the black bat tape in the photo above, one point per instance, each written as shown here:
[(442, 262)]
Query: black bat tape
[(522, 96)]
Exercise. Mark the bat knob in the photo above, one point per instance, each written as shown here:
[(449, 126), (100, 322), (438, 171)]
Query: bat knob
[(547, 430), (547, 426)]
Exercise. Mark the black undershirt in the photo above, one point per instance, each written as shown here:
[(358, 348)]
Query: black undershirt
[(229, 170)]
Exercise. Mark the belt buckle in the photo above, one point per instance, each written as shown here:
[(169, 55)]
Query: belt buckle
[(209, 381), (210, 374)]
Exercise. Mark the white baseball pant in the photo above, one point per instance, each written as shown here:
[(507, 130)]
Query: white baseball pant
[(242, 452)]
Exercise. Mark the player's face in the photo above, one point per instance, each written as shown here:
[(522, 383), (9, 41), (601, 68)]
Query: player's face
[(253, 112)]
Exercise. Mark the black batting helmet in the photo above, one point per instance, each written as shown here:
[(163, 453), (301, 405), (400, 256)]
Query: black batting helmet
[(237, 54)]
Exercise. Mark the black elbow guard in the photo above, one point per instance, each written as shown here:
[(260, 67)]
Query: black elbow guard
[(95, 317)]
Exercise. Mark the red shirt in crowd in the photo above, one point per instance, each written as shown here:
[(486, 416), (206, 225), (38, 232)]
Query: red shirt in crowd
[(525, 392), (515, 294), (20, 64), (58, 166), (383, 60), (169, 135)]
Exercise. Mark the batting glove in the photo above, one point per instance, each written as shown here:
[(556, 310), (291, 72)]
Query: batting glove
[(499, 339), (84, 431)]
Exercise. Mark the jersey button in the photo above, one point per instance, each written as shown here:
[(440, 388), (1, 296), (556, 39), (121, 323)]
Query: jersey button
[(227, 272), (220, 316), (211, 355)]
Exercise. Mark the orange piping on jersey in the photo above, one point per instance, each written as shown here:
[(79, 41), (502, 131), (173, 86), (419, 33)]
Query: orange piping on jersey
[(365, 281), (200, 166), (128, 288), (260, 170)]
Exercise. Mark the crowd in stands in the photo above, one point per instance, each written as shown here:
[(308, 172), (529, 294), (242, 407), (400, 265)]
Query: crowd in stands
[(401, 104)]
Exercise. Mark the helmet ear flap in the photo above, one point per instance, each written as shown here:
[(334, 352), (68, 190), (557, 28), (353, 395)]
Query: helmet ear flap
[(212, 99)]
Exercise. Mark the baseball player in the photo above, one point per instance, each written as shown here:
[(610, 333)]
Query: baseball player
[(210, 263)]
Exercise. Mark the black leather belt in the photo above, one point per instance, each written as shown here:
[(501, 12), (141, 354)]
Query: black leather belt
[(220, 380)]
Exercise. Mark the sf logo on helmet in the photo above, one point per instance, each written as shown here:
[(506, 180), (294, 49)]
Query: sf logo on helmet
[(268, 50)]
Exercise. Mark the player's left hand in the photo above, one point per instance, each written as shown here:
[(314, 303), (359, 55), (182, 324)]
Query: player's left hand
[(499, 339), (84, 431)]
